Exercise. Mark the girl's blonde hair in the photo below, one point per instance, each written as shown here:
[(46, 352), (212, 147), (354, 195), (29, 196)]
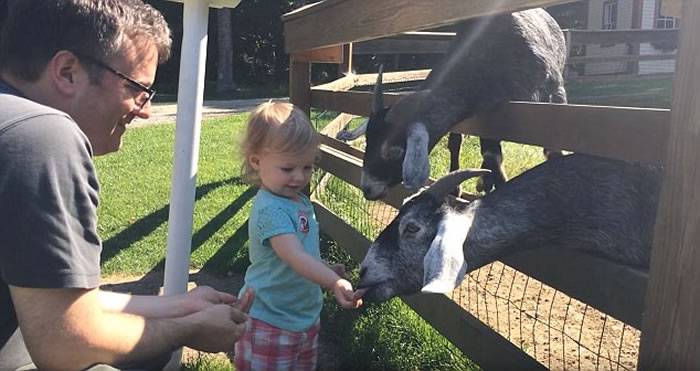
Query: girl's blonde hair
[(276, 127)]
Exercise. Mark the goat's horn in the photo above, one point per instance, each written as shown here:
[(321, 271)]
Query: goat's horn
[(443, 186), (378, 101)]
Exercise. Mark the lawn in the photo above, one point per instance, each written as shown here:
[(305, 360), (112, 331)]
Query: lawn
[(635, 93), (135, 192)]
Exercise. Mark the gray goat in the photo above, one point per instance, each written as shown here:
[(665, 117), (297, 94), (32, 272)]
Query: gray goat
[(579, 202), (518, 56)]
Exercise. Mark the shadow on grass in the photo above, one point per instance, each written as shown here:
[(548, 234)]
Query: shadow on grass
[(152, 281), (151, 222), (235, 250)]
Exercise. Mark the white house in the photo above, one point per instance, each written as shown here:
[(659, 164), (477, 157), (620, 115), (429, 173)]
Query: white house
[(624, 15)]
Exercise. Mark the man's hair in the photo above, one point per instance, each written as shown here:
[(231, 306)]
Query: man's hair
[(35, 30)]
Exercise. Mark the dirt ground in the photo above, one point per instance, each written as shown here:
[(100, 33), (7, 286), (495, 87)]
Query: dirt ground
[(560, 332)]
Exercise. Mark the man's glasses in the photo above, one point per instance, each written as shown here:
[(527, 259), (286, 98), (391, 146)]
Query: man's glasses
[(145, 93)]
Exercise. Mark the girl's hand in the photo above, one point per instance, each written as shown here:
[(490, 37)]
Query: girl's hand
[(339, 269), (345, 296), (246, 301)]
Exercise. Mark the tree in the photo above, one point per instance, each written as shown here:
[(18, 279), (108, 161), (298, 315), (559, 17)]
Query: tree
[(224, 75)]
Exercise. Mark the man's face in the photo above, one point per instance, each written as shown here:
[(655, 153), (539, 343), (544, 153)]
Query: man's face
[(103, 110)]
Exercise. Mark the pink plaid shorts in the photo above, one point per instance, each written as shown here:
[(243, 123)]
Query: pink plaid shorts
[(264, 347)]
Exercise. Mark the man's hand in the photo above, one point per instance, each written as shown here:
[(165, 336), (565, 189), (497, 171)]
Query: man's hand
[(202, 297), (216, 328)]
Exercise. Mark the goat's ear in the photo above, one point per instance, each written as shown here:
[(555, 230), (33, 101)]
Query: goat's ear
[(416, 168), (443, 265)]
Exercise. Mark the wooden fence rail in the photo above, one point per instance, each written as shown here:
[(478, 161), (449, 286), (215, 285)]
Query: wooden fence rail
[(571, 127)]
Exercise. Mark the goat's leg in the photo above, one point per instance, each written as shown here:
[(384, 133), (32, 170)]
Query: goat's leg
[(347, 135), (454, 144), (558, 96), (492, 160)]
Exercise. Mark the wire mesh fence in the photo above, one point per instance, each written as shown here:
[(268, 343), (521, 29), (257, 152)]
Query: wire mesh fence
[(558, 331)]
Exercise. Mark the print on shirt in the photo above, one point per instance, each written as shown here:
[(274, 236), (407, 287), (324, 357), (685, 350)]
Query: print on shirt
[(303, 223)]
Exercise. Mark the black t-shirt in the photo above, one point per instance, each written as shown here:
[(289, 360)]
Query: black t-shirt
[(48, 209)]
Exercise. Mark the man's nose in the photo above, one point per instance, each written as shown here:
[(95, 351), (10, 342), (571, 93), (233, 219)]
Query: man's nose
[(145, 112)]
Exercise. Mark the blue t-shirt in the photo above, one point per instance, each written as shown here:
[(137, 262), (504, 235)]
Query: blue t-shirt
[(283, 298)]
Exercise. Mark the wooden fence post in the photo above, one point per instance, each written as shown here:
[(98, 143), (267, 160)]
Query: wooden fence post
[(300, 83), (671, 324)]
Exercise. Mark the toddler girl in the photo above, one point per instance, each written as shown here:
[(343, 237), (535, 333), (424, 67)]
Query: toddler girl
[(286, 270)]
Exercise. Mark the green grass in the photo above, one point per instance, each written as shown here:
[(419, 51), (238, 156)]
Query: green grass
[(207, 362), (135, 192), (634, 93)]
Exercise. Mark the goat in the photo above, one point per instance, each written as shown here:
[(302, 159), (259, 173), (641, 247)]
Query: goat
[(579, 202), (493, 60)]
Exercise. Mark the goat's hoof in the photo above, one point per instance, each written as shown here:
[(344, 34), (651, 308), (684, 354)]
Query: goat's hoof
[(343, 135), (553, 154), (457, 191), (490, 182), (484, 185)]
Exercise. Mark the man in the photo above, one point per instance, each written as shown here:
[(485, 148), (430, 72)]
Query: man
[(73, 74)]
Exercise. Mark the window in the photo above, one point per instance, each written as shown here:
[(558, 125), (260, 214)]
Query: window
[(661, 21), (610, 15)]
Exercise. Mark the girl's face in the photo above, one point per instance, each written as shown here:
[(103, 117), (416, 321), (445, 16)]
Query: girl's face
[(284, 174)]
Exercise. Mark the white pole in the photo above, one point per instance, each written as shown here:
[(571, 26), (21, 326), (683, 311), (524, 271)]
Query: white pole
[(188, 123), (190, 98)]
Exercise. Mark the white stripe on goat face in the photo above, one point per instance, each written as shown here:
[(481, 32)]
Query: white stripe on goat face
[(443, 265)]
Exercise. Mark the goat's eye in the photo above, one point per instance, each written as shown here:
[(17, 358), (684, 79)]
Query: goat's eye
[(412, 228), (391, 152), (394, 153)]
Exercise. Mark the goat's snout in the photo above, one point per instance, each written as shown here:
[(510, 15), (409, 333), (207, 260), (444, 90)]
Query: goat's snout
[(373, 193), (372, 188), (363, 271)]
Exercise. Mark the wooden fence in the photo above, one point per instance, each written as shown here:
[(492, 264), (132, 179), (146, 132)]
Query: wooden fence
[(662, 304)]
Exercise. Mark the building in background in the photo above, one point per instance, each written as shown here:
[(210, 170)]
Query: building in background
[(620, 15)]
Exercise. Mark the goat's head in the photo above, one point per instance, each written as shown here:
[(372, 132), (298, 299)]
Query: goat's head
[(421, 249), (397, 145)]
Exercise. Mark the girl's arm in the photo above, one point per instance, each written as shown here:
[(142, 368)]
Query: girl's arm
[(289, 249)]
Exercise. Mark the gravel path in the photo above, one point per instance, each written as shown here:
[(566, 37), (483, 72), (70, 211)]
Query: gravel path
[(166, 112)]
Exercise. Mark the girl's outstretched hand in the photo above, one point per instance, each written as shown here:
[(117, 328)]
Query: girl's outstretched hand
[(345, 296), (339, 269)]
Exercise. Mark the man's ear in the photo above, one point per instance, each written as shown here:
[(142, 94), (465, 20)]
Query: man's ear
[(443, 265), (65, 72)]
